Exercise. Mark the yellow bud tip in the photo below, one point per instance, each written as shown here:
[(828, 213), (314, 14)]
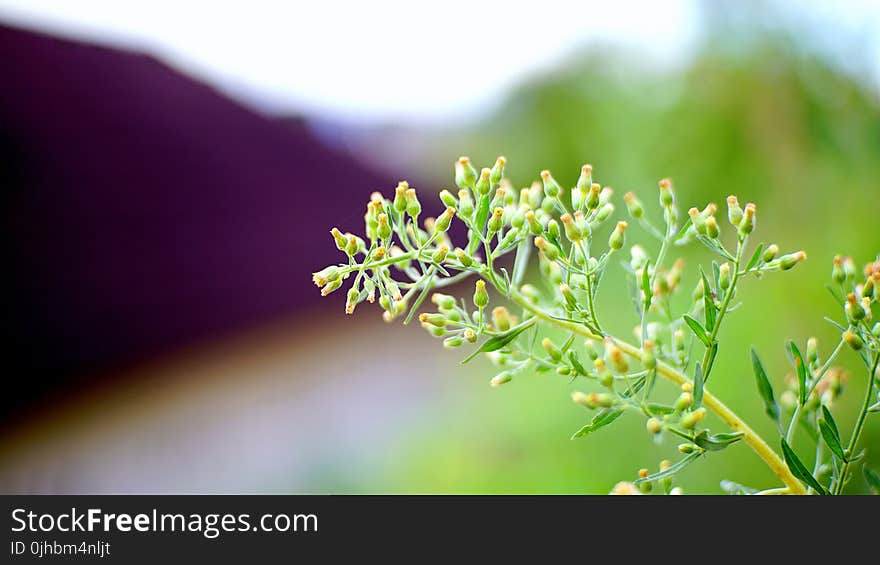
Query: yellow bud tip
[(800, 255), (376, 197), (587, 169), (665, 464), (484, 174), (750, 209), (621, 225), (564, 288), (566, 218), (693, 212), (423, 318), (545, 174), (687, 387), (450, 210), (540, 243), (498, 211), (643, 473), (464, 160), (665, 184), (629, 197), (732, 200), (501, 160), (481, 284), (403, 184), (410, 192), (599, 364)]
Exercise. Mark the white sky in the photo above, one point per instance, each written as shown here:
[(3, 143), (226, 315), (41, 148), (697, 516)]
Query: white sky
[(379, 59)]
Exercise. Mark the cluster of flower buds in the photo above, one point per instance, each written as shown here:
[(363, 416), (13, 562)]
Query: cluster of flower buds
[(860, 295)]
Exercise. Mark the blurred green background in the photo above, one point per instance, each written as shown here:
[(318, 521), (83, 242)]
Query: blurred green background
[(756, 113)]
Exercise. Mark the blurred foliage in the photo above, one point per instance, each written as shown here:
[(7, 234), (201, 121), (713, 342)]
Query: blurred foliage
[(764, 120)]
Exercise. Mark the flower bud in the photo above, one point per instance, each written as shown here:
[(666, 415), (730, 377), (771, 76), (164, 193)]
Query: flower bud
[(551, 187), (484, 183), (724, 276), (591, 350), (712, 229), (497, 172), (495, 221), (786, 262), (413, 207), (593, 196), (625, 488), (684, 401), (384, 227), (400, 196), (326, 275), (770, 253), (585, 179), (734, 212), (465, 203), (551, 349), (617, 238), (447, 198), (331, 286), (571, 230), (438, 320), (686, 447), (593, 399), (688, 421), (534, 225), (453, 342), (678, 339), (351, 300), (697, 220), (603, 212), (853, 309), (747, 224), (465, 174), (633, 205), (550, 250), (615, 357), (849, 268), (654, 426), (667, 197), (812, 351), (501, 378), (649, 358), (605, 377), (442, 223), (439, 254), (837, 274), (853, 339), (481, 297), (501, 318)]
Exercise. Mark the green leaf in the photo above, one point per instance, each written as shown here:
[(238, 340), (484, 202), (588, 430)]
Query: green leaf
[(874, 407), (716, 442), (501, 340), (698, 330), (708, 302), (831, 439), (872, 478), (826, 413), (764, 388), (799, 470), (602, 419), (698, 385), (801, 368), (572, 356), (672, 469), (646, 286), (756, 256)]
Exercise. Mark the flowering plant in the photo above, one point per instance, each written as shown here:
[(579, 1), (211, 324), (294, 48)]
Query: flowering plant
[(401, 261)]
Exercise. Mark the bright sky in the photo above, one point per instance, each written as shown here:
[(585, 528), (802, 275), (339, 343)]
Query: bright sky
[(376, 60)]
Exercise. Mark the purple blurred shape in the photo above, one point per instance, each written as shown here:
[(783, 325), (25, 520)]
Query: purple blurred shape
[(143, 210)]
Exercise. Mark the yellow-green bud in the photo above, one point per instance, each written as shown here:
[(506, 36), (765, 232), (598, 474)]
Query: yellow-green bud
[(770, 253), (571, 230), (667, 198), (495, 221), (463, 258), (384, 227), (413, 206), (684, 401), (442, 223), (585, 179), (534, 225), (481, 297), (501, 378), (501, 318), (853, 309), (837, 273), (550, 250), (747, 224), (339, 239), (470, 335), (649, 358), (551, 187), (465, 174), (593, 399), (400, 196), (603, 212), (617, 238), (812, 351), (351, 300), (724, 279), (447, 198), (697, 220), (465, 203), (568, 296), (691, 419), (654, 426), (498, 170), (786, 262), (439, 254), (551, 349), (453, 341), (443, 301), (553, 229), (438, 320), (593, 196), (484, 183), (633, 205), (615, 357), (686, 447), (712, 229), (331, 286), (734, 212)]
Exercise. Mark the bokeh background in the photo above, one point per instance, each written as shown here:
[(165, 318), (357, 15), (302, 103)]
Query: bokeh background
[(169, 172)]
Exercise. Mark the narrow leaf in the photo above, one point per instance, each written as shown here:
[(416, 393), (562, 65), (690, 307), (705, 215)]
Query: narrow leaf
[(801, 369), (716, 442), (799, 470), (698, 330), (601, 420), (872, 478), (831, 439), (826, 413), (572, 356), (764, 388), (756, 256), (708, 303), (646, 286), (501, 340), (698, 385), (672, 469)]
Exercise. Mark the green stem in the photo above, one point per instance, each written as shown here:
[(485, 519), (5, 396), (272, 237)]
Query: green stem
[(857, 431), (750, 437), (725, 304)]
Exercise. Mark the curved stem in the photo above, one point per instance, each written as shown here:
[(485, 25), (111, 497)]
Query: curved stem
[(860, 423), (755, 441)]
